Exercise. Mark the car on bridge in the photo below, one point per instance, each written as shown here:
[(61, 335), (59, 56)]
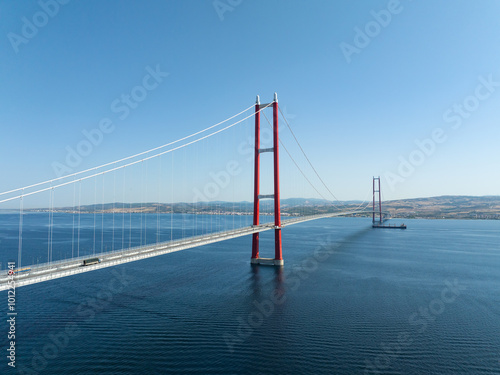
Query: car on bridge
[(89, 262)]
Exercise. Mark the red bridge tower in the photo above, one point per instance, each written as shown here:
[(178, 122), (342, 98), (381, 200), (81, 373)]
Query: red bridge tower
[(278, 258)]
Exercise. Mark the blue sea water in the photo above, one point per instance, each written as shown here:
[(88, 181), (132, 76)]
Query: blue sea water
[(349, 300)]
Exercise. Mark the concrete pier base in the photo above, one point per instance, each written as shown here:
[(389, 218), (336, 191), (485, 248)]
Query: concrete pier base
[(268, 262)]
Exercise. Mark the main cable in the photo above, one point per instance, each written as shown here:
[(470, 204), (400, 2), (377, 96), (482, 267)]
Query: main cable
[(126, 158), (309, 161), (303, 174), (132, 163), (293, 160)]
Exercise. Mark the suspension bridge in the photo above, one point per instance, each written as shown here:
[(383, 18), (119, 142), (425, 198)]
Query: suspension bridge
[(92, 220)]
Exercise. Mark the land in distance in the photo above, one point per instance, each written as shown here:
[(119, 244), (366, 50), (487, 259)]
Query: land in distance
[(443, 207)]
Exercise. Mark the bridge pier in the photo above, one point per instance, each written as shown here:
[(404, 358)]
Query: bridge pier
[(278, 257), (267, 262)]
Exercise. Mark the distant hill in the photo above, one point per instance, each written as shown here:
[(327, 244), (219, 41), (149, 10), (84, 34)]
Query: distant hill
[(444, 207), (291, 202)]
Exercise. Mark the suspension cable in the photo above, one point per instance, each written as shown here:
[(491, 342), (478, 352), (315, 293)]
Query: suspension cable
[(303, 152), (20, 245), (303, 174), (293, 160), (131, 163), (126, 158)]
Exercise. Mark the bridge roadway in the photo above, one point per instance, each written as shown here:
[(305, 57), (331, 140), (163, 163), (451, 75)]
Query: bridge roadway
[(57, 269)]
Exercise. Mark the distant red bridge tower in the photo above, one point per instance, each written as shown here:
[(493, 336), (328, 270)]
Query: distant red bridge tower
[(376, 189)]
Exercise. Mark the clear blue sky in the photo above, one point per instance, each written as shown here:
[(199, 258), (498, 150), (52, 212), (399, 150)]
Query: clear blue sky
[(355, 119)]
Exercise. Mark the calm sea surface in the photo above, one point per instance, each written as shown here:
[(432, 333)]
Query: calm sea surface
[(350, 300)]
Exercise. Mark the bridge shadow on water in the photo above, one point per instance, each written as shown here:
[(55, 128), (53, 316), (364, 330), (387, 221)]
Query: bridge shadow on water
[(266, 280), (271, 319)]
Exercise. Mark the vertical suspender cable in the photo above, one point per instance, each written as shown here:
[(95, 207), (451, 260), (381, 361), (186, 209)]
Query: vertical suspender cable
[(20, 246), (184, 180), (158, 205), (233, 213), (73, 229), (142, 199), (146, 209), (113, 212), (52, 227), (130, 225), (102, 216), (49, 232), (204, 222), (194, 202), (79, 214), (172, 200), (123, 209), (94, 209)]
